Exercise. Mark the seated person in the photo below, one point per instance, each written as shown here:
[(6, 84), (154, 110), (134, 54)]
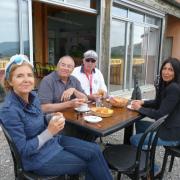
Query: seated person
[(44, 149), (167, 102), (59, 90), (91, 78)]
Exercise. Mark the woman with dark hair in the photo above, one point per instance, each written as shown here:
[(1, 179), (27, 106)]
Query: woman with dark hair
[(167, 102), (43, 148)]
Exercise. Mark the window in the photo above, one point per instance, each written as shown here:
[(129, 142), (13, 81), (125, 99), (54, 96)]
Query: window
[(84, 3), (9, 31), (136, 16), (140, 41), (25, 29), (153, 20), (119, 11), (134, 48), (117, 55)]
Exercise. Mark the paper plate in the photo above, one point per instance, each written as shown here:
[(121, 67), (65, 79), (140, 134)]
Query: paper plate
[(92, 119), (79, 110)]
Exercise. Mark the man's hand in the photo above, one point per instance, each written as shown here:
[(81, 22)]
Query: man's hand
[(56, 123), (102, 93), (76, 102), (67, 94)]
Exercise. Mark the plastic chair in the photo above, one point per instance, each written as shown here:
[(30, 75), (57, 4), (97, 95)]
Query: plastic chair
[(169, 151), (20, 173), (133, 161)]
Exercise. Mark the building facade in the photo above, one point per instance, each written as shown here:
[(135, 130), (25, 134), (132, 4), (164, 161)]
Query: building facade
[(132, 37)]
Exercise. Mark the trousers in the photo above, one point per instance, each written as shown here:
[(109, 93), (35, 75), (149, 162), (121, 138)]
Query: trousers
[(77, 156), (141, 126)]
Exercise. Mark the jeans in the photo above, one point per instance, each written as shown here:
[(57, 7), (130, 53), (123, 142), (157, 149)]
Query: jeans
[(77, 156), (141, 126)]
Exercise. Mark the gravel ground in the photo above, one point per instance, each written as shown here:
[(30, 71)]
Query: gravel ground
[(6, 163), (7, 171)]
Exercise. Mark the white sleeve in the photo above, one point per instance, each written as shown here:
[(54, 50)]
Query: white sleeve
[(44, 137), (102, 83)]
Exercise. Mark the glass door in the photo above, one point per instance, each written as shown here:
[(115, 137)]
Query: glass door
[(145, 54), (152, 54), (118, 49), (140, 46)]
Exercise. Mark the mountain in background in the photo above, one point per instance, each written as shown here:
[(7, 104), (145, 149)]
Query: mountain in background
[(11, 48), (119, 51)]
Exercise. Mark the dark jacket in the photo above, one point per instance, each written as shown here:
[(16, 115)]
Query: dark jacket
[(166, 103)]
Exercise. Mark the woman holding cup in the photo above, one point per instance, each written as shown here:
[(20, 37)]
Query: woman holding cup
[(42, 148)]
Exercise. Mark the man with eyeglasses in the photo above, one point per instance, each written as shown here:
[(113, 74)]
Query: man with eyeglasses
[(59, 90), (91, 78)]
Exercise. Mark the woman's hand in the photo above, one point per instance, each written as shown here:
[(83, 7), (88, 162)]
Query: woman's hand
[(56, 123), (137, 104)]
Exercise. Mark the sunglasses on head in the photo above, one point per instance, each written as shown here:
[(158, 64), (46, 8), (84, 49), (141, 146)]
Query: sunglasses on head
[(17, 59), (90, 60)]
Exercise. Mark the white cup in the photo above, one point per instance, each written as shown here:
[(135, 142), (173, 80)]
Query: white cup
[(57, 117), (83, 107)]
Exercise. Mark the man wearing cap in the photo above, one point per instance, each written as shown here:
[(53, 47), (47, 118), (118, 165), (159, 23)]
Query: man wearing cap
[(91, 78)]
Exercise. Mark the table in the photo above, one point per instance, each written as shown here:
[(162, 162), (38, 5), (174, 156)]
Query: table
[(121, 118)]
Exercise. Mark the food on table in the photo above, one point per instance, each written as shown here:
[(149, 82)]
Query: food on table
[(102, 111), (118, 101)]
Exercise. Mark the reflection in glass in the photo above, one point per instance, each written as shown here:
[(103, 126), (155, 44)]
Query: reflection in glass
[(152, 57), (70, 33), (9, 37), (83, 3), (139, 54), (153, 20), (145, 54), (118, 11), (136, 16), (25, 23), (117, 55), (129, 55)]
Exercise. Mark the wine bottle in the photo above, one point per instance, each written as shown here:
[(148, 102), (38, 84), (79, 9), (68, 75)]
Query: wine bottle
[(136, 94)]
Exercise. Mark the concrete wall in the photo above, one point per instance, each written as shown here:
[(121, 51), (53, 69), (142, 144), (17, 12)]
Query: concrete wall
[(161, 5)]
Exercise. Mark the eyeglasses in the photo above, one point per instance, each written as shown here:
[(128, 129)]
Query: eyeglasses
[(69, 66), (90, 60), (16, 59)]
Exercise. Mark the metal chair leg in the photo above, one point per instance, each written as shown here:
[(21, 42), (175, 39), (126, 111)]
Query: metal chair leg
[(160, 175), (119, 176), (101, 141), (171, 163)]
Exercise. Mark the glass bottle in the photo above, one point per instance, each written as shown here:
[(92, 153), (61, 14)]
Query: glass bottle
[(136, 94)]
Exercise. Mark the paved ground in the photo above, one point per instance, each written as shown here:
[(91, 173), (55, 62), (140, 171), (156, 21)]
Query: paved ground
[(6, 163)]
